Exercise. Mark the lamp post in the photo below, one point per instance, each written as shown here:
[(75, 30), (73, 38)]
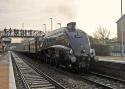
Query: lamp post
[(44, 27), (122, 40), (51, 24), (121, 8), (22, 25), (59, 24)]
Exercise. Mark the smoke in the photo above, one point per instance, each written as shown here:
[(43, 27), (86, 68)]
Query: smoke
[(67, 11), (15, 12), (62, 8)]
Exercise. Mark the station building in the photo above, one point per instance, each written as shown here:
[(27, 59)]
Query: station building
[(116, 46), (121, 28)]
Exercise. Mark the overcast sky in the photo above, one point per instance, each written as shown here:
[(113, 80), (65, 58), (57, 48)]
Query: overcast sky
[(88, 14)]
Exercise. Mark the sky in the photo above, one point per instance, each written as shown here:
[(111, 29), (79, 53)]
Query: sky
[(89, 14)]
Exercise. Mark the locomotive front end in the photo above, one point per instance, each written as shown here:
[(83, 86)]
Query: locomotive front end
[(80, 54)]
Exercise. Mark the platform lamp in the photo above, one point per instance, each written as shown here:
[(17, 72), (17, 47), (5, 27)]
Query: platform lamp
[(51, 23), (122, 40), (45, 27), (22, 25), (59, 24)]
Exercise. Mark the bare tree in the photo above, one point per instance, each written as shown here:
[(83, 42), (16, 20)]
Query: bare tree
[(102, 34)]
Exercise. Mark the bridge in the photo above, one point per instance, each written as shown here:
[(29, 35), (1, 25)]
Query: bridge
[(21, 33)]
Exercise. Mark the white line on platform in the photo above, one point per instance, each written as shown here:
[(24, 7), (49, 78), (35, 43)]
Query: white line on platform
[(12, 84)]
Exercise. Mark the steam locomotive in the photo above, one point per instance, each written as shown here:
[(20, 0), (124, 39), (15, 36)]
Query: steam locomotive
[(67, 46)]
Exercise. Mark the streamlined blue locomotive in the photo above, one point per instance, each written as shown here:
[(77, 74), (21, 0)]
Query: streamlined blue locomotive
[(67, 46)]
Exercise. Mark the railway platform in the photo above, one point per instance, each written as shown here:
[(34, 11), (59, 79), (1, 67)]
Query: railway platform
[(112, 58), (7, 80)]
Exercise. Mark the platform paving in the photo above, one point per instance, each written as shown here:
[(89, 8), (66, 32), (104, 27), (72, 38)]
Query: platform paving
[(12, 84), (4, 71), (7, 80)]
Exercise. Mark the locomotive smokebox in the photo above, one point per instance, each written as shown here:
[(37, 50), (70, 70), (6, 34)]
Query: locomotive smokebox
[(71, 26)]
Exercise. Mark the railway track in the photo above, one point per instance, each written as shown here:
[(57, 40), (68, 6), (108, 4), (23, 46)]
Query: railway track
[(33, 78), (110, 83), (95, 79), (105, 82), (108, 77)]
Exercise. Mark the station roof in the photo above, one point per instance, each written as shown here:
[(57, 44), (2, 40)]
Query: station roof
[(121, 18)]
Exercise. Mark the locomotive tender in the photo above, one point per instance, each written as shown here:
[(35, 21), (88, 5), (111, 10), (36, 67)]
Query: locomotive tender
[(66, 46)]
